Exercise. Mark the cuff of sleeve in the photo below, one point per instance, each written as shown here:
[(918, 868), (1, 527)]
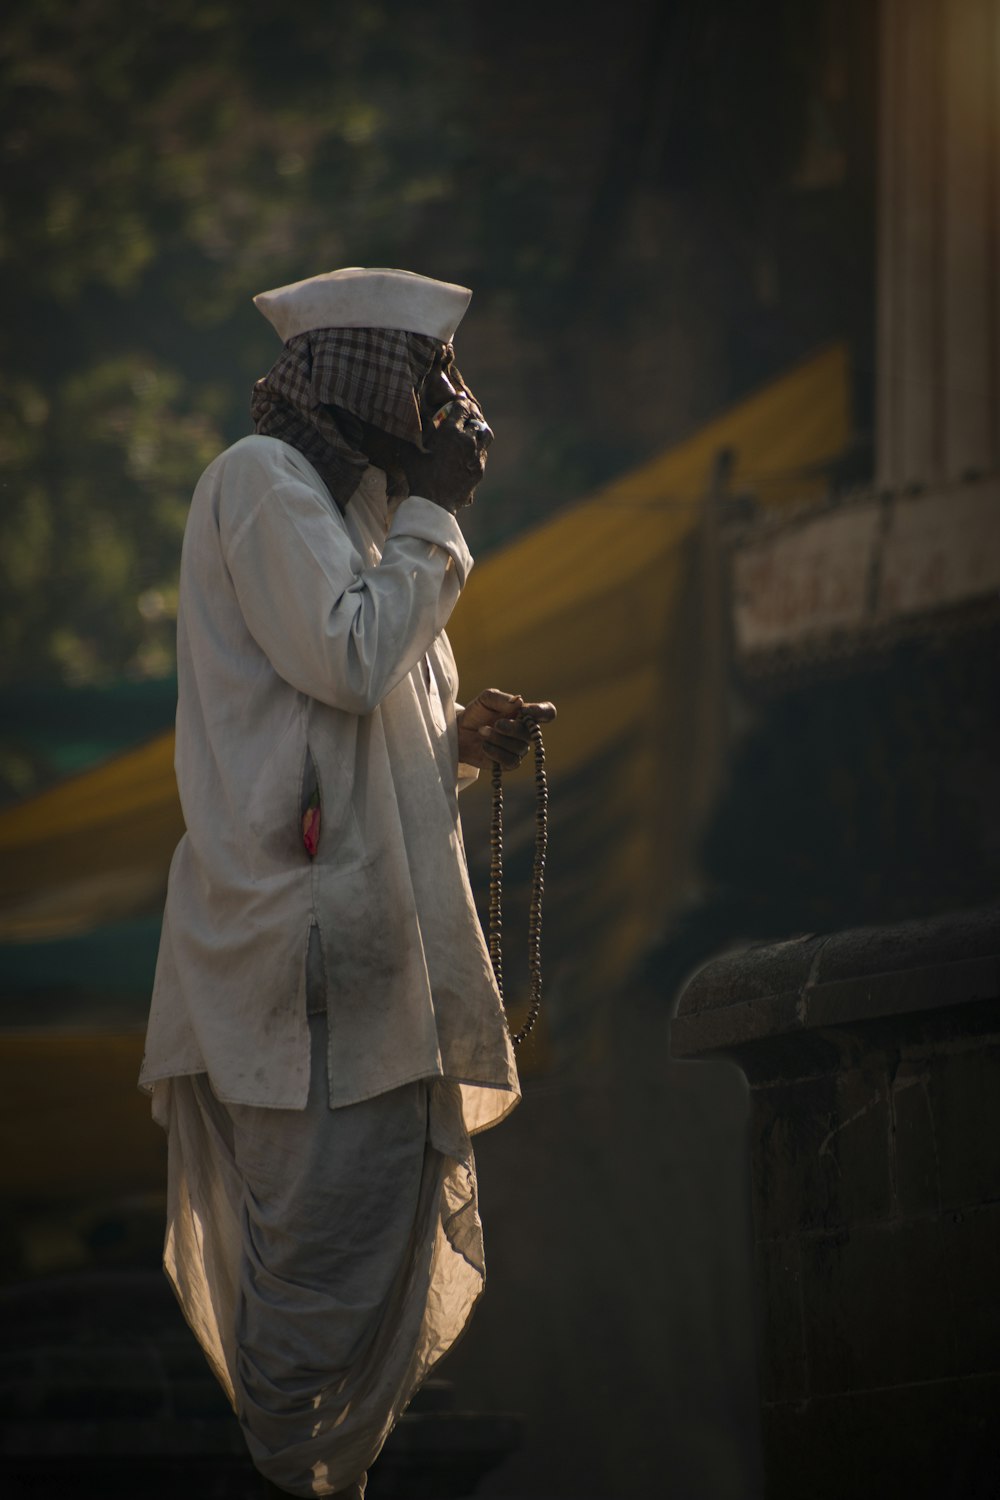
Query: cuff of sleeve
[(421, 518), (466, 775)]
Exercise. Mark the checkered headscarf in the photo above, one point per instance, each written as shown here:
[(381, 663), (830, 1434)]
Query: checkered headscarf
[(369, 373)]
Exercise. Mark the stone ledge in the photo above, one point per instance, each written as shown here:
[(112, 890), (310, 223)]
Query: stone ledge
[(799, 991), (925, 1441)]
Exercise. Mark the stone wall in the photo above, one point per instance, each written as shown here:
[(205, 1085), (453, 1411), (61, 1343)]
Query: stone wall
[(873, 1059)]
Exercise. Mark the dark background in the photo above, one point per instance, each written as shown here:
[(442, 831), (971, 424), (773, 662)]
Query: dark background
[(660, 207)]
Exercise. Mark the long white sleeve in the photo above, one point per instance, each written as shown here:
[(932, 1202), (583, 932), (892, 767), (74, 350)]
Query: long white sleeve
[(333, 628)]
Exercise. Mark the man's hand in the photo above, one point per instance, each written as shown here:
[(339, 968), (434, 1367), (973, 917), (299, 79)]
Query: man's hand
[(455, 462), (492, 728)]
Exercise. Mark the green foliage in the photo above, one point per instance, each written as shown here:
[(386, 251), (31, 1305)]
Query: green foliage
[(96, 489), (210, 145), (160, 160)]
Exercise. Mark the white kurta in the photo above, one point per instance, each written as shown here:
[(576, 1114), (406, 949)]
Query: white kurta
[(307, 634), (322, 1229)]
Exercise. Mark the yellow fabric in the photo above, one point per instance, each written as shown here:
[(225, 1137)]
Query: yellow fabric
[(93, 849), (599, 609), (539, 606)]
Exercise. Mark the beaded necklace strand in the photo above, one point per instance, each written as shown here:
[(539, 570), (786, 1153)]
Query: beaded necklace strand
[(495, 935)]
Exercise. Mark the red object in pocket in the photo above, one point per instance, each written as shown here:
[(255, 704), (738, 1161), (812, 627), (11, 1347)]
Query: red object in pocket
[(310, 828)]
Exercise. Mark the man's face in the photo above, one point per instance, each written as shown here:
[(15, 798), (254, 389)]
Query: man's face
[(445, 399), (455, 439)]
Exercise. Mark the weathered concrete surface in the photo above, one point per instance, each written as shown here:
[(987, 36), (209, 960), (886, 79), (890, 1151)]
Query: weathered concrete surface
[(803, 999), (874, 1063)]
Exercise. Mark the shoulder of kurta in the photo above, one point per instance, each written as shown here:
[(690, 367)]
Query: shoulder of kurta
[(266, 460), (247, 473)]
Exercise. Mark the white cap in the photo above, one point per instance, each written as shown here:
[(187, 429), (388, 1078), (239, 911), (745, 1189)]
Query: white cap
[(361, 297)]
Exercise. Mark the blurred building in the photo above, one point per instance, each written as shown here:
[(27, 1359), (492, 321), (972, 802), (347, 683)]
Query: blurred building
[(866, 633), (868, 624)]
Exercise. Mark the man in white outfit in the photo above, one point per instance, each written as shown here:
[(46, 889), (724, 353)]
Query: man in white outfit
[(325, 1032)]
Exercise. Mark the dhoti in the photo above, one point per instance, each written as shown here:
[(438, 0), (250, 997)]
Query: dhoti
[(325, 1260)]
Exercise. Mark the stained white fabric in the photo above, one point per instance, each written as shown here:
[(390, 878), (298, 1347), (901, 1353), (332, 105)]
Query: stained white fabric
[(325, 1259), (307, 635)]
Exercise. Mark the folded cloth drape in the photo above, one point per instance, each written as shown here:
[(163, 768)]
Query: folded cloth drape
[(325, 1259), (325, 381)]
